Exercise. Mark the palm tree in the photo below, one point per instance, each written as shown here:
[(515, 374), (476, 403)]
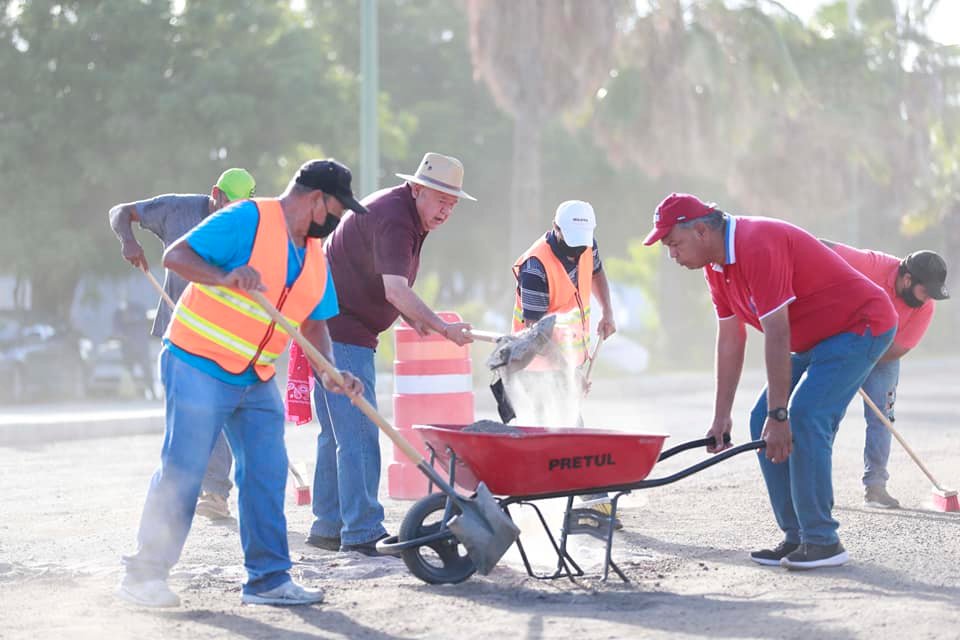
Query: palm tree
[(539, 58)]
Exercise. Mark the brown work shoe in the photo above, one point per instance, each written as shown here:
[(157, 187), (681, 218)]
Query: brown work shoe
[(876, 496), (213, 506)]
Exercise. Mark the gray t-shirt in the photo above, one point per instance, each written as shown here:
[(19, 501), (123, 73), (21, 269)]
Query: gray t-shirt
[(168, 217)]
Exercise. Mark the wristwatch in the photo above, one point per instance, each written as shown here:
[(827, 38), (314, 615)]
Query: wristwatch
[(779, 414)]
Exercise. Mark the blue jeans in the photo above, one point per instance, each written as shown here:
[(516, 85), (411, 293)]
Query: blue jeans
[(825, 379), (217, 478), (881, 387), (347, 477), (198, 407)]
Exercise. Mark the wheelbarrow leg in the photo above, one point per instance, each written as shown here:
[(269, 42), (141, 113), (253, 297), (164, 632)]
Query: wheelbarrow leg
[(562, 553), (523, 552), (448, 510), (608, 560), (564, 561), (433, 459)]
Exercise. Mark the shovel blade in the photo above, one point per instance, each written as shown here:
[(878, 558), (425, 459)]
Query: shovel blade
[(484, 529)]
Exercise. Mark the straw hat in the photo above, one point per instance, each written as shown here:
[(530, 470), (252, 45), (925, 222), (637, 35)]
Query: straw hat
[(440, 172)]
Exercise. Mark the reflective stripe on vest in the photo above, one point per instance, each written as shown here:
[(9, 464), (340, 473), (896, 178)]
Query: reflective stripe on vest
[(227, 326), (570, 305)]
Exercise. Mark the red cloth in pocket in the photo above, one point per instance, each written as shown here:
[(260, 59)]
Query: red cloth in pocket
[(300, 382)]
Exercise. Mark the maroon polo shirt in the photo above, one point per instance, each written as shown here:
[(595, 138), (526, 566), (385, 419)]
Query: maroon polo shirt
[(361, 250)]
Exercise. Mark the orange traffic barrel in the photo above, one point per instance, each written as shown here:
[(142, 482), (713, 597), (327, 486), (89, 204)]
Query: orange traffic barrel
[(432, 384)]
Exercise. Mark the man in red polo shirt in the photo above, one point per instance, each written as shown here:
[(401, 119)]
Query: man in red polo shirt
[(912, 283), (824, 326)]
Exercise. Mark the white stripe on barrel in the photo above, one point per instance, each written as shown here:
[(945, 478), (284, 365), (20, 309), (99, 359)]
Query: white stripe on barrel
[(416, 385)]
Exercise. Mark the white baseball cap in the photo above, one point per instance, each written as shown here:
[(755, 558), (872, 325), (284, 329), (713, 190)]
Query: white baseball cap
[(577, 221)]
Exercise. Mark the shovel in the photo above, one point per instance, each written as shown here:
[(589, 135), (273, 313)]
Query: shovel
[(482, 527)]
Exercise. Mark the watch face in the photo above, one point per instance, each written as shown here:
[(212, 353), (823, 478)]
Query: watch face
[(779, 414)]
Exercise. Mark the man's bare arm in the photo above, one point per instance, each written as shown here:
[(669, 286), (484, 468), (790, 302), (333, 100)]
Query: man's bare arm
[(319, 336), (409, 304), (187, 263), (122, 217), (776, 332), (731, 346)]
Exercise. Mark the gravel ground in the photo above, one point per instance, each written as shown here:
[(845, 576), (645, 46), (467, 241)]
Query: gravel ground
[(70, 509)]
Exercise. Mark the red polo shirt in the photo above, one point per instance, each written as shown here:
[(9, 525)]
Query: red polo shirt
[(771, 263), (881, 269)]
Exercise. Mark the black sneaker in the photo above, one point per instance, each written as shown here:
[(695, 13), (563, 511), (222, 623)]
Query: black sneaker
[(813, 556), (772, 557), (368, 548), (876, 496), (323, 542)]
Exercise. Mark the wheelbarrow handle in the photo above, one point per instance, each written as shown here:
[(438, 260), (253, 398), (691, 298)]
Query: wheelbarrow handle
[(703, 464), (692, 444)]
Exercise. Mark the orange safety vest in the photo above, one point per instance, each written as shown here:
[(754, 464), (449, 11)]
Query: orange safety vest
[(570, 304), (227, 326)]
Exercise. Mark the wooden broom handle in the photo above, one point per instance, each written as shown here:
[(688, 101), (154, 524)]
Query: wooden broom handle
[(322, 364), (163, 294), (886, 422)]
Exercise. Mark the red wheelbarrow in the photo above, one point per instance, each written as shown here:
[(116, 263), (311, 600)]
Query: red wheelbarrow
[(523, 466)]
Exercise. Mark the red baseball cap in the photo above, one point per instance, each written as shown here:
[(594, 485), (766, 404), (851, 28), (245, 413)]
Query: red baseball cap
[(677, 207)]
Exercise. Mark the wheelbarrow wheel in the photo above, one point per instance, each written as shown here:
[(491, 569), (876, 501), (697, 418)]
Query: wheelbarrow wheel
[(443, 561)]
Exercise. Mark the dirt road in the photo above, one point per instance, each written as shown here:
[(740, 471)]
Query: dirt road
[(70, 509)]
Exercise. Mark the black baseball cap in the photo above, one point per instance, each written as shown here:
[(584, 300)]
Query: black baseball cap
[(930, 270), (332, 178)]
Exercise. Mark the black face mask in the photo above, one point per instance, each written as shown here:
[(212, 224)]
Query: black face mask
[(323, 230), (567, 251), (910, 298)]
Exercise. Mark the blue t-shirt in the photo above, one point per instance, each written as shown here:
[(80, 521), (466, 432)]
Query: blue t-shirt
[(225, 239)]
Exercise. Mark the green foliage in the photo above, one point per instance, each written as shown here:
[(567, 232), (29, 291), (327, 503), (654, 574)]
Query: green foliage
[(851, 132), (110, 101)]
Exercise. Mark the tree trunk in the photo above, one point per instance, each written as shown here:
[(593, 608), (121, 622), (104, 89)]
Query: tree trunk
[(526, 217)]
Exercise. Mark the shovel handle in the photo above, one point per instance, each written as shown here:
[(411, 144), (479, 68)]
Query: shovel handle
[(163, 294), (889, 425), (593, 358), (483, 336), (322, 364)]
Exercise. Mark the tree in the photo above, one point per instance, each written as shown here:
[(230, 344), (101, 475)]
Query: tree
[(110, 101), (538, 59)]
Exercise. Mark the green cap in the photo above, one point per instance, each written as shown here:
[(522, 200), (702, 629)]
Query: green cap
[(237, 183)]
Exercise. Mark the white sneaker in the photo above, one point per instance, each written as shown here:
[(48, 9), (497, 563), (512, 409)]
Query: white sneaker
[(287, 594), (149, 593)]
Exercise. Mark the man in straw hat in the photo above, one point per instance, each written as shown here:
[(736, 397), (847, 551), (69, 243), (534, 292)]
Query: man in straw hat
[(824, 325), (913, 284), (168, 217), (374, 259)]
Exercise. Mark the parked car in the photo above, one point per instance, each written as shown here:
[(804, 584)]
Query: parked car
[(113, 374), (41, 360)]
